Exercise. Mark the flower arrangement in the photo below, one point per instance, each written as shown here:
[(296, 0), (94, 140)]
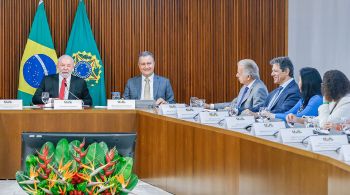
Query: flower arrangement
[(71, 169)]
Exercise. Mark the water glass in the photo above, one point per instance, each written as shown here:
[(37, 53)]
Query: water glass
[(45, 96), (262, 113), (311, 122), (193, 101), (115, 95), (196, 102), (233, 110)]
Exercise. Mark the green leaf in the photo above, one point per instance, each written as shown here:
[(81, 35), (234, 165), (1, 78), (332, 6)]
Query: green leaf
[(124, 167), (62, 152), (72, 152), (43, 184), (70, 187), (132, 182), (104, 147), (21, 176), (95, 155), (82, 186), (31, 161)]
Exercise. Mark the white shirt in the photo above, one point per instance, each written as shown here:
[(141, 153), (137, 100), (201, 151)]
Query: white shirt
[(143, 86), (66, 92)]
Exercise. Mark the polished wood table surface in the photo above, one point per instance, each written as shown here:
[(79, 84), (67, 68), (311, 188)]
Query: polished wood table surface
[(184, 157)]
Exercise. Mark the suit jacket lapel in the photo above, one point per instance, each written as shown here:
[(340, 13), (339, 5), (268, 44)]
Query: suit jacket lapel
[(71, 88), (55, 86), (282, 94), (139, 87), (155, 86)]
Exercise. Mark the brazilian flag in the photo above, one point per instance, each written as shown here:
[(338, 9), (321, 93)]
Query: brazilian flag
[(39, 57), (88, 64)]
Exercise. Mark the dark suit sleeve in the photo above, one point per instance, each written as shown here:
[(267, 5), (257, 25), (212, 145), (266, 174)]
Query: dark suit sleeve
[(86, 94), (169, 94), (36, 99), (126, 94), (292, 98)]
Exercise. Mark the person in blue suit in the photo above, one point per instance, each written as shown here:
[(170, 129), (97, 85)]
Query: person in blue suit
[(310, 87), (149, 86), (287, 94)]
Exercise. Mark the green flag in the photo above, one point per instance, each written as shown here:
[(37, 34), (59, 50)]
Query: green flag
[(39, 57), (88, 64)]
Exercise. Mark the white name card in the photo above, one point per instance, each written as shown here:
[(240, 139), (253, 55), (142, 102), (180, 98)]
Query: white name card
[(11, 105), (326, 142), (269, 128), (170, 109), (239, 122), (120, 104), (344, 153), (212, 117), (188, 113), (67, 105), (295, 135)]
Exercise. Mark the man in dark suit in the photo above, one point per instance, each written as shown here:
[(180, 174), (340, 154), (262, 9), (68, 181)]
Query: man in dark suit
[(63, 85), (253, 92), (287, 94), (149, 86)]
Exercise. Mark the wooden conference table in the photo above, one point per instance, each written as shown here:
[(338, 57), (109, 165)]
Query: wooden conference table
[(184, 157)]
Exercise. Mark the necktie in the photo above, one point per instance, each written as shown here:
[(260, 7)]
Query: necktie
[(62, 89), (242, 97), (275, 98), (147, 90)]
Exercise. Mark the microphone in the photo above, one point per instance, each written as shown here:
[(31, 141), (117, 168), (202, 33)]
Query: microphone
[(65, 84)]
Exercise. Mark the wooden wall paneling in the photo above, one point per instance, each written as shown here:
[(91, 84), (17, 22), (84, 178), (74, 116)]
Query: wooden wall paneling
[(196, 43)]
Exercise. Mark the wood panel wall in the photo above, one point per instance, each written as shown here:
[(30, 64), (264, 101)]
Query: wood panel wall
[(197, 43)]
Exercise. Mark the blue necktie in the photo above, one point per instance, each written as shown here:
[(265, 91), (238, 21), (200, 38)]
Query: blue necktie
[(242, 97), (275, 97)]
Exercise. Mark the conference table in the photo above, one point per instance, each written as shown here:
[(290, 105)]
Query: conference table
[(186, 157)]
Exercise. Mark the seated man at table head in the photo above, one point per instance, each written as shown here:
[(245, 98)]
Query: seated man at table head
[(63, 85), (149, 86), (287, 94), (336, 99), (253, 92)]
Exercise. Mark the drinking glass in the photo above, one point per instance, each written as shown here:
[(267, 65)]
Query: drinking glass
[(193, 101), (233, 110), (311, 122), (115, 95), (200, 103), (262, 114), (45, 97)]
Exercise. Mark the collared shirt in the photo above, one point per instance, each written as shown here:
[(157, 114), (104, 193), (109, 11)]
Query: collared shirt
[(277, 95), (66, 92), (251, 84), (143, 86), (284, 85)]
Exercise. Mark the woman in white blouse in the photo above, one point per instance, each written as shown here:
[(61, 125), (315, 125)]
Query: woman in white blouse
[(336, 99)]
